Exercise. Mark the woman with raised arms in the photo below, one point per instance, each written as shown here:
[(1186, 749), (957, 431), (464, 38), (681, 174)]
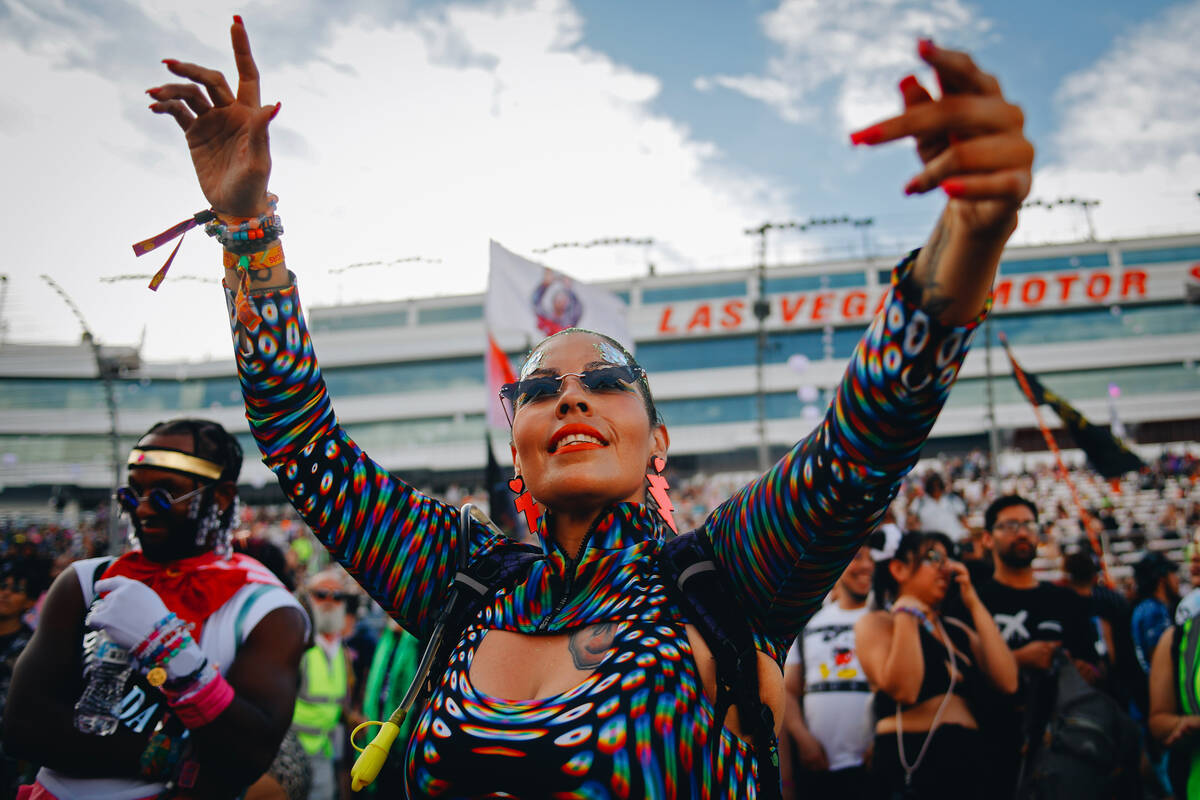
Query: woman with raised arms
[(587, 678)]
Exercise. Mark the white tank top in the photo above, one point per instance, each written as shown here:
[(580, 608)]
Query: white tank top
[(224, 631)]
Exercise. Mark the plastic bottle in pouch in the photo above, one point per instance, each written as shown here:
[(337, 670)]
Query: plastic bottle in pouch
[(106, 670)]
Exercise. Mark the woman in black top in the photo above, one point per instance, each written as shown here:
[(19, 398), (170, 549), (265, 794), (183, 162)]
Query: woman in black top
[(924, 668)]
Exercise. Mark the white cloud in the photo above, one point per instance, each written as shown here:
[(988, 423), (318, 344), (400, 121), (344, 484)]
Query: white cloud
[(857, 49), (1128, 134), (423, 135)]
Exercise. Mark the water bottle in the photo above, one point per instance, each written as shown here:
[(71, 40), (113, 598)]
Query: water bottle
[(106, 670)]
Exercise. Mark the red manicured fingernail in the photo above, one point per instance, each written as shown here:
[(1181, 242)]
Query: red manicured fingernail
[(153, 92), (908, 82), (170, 62), (237, 19), (276, 111), (913, 186), (953, 187), (871, 135), (926, 48)]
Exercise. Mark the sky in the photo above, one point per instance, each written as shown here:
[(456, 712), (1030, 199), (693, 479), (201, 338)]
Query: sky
[(420, 130)]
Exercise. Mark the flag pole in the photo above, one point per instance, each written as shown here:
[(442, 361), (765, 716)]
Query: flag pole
[(1089, 522)]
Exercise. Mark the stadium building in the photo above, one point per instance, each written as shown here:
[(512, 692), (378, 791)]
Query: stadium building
[(1102, 323)]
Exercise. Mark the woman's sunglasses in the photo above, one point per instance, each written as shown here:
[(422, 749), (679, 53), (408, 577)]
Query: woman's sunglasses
[(159, 499), (602, 379)]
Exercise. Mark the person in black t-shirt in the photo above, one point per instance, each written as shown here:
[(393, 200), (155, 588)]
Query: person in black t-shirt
[(1036, 619)]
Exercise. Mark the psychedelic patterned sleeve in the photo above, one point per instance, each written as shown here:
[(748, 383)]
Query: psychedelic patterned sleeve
[(786, 537), (399, 544)]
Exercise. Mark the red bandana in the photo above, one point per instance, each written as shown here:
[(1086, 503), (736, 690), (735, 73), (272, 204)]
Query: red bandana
[(194, 587)]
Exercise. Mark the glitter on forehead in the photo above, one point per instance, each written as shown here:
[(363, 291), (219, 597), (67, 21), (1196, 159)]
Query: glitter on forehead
[(610, 354), (532, 363)]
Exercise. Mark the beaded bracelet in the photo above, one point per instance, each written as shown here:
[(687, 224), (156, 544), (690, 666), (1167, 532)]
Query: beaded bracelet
[(155, 635), (914, 612), (250, 235)]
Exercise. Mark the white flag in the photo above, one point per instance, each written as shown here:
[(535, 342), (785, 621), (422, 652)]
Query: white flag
[(527, 302)]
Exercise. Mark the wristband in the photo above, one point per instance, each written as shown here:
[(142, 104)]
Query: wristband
[(264, 259), (200, 707), (915, 612)]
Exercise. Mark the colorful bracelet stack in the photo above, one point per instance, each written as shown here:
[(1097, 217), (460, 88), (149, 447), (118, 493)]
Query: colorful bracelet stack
[(169, 637), (197, 698), (247, 236)]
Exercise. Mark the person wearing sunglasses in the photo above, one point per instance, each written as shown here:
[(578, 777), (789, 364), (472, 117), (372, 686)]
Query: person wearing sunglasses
[(927, 670), (323, 708), (213, 639), (587, 679)]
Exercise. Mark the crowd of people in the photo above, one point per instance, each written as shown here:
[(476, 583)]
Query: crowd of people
[(856, 708)]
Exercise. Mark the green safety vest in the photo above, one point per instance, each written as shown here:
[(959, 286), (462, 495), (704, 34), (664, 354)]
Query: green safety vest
[(323, 688), (1188, 641)]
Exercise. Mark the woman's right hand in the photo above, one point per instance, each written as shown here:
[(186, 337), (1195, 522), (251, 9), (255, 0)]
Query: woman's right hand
[(227, 135)]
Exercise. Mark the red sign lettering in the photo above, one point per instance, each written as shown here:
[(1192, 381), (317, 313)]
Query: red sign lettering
[(701, 318), (855, 305), (823, 299), (1033, 291), (1133, 279), (789, 314), (733, 314), (664, 322), (1002, 293), (1066, 281), (1098, 285)]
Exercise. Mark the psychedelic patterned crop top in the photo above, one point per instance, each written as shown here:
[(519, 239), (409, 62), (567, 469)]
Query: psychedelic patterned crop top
[(639, 725)]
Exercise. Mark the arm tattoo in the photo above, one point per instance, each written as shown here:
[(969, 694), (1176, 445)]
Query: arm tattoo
[(934, 301), (590, 645)]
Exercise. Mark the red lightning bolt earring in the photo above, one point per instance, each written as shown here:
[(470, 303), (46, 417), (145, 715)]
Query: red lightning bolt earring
[(525, 503), (658, 493)]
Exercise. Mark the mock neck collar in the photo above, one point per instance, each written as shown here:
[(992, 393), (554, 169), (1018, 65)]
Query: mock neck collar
[(617, 527)]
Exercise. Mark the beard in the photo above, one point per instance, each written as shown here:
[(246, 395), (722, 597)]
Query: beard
[(329, 620), (178, 542), (1018, 555)]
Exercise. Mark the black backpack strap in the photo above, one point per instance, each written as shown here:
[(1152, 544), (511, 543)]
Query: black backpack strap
[(475, 582), (690, 569)]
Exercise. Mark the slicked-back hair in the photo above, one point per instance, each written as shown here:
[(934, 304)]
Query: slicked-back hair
[(643, 382)]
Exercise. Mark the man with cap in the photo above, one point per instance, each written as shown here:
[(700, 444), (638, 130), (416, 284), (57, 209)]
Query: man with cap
[(212, 638)]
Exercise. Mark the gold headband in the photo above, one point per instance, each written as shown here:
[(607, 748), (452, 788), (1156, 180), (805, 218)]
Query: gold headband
[(174, 460)]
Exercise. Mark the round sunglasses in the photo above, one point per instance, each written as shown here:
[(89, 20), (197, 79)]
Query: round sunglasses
[(159, 499), (521, 393)]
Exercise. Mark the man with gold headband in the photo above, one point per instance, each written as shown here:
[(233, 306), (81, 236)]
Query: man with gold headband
[(213, 637)]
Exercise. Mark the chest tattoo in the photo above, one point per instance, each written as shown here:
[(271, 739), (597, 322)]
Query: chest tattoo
[(589, 645)]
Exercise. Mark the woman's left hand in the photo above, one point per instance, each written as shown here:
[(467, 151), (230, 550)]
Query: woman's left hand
[(971, 141), (966, 589)]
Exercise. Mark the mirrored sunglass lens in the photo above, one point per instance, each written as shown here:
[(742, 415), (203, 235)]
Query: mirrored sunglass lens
[(607, 378), (536, 388), (127, 499), (160, 499)]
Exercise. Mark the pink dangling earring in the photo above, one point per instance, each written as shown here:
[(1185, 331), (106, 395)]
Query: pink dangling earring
[(525, 503), (658, 492)]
